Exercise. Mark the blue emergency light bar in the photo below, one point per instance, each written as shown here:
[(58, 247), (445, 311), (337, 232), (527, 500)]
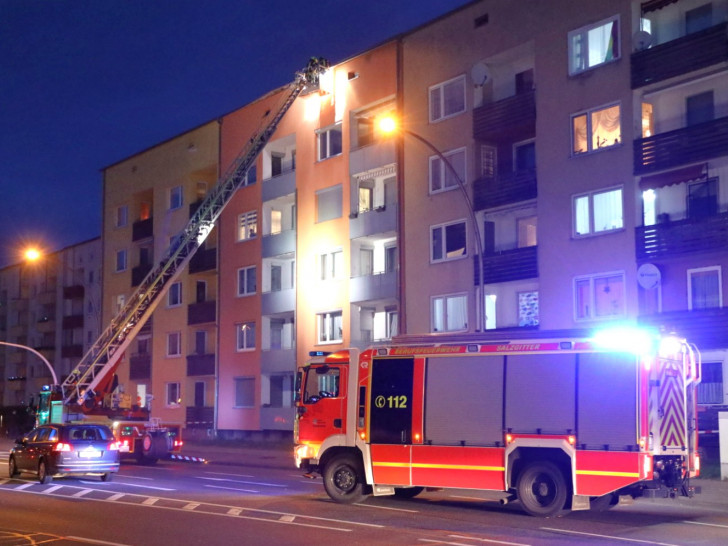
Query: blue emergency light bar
[(318, 353)]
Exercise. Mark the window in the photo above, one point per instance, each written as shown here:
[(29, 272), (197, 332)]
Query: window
[(120, 260), (329, 142), (441, 176), (528, 308), (245, 336), (447, 99), (331, 265), (330, 327), (596, 129), (488, 161), (276, 278), (174, 296), (594, 45), (200, 291), (527, 231), (174, 344), (200, 342), (247, 281), (598, 212), (390, 259), (244, 392), (173, 395), (699, 18), (251, 176), (247, 225), (122, 216), (705, 289), (329, 203), (321, 382), (450, 313), (699, 108), (366, 195), (175, 198), (448, 241), (281, 391), (524, 156), (276, 221), (599, 296), (710, 388), (703, 198)]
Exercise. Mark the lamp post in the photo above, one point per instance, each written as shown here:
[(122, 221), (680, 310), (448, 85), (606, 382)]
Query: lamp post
[(44, 359), (388, 125)]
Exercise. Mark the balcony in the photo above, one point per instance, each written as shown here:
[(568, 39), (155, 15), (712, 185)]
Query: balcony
[(513, 118), (138, 273), (46, 324), (278, 186), (373, 156), (200, 313), (200, 417), (142, 229), (680, 56), (504, 189), (373, 287), (671, 149), (379, 220), (200, 365), (75, 292), (508, 265), (204, 260), (277, 360), (140, 366), (72, 321), (682, 236), (72, 351), (278, 301), (707, 328), (277, 244)]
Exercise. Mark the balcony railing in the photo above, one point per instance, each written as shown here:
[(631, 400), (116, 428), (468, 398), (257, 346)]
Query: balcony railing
[(691, 144), (140, 366), (142, 229), (680, 56), (75, 292), (204, 260), (508, 265), (504, 189), (506, 119), (199, 313), (200, 365), (709, 233), (707, 328), (199, 417), (382, 219), (373, 287)]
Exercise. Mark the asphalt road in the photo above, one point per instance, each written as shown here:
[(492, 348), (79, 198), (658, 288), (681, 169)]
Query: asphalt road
[(256, 496)]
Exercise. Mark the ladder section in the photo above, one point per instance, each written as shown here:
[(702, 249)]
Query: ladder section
[(103, 357)]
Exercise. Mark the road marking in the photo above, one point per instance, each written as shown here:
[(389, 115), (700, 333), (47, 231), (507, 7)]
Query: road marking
[(264, 484), (287, 518), (386, 508), (94, 541), (147, 486), (116, 497), (130, 477), (149, 501), (233, 488), (228, 474), (610, 537), (82, 493), (234, 511), (489, 540), (24, 486), (191, 506), (707, 524), (52, 489)]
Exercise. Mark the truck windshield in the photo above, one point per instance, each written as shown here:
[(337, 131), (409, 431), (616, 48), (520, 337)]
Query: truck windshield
[(321, 382)]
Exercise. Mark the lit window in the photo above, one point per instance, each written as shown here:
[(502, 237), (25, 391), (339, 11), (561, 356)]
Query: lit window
[(329, 203), (331, 265), (596, 129), (244, 392), (528, 308), (527, 231), (174, 344), (705, 288), (173, 395), (329, 142), (122, 216), (447, 99), (594, 45), (246, 281), (598, 212), (599, 296), (174, 296), (330, 327), (247, 225), (450, 313), (121, 260), (448, 241), (245, 336), (441, 176), (175, 198)]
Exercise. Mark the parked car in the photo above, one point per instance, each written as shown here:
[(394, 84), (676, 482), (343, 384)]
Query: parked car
[(66, 450)]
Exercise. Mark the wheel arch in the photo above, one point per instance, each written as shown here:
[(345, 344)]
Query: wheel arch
[(520, 457)]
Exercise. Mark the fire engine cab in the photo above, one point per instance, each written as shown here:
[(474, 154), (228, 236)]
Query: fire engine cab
[(557, 420)]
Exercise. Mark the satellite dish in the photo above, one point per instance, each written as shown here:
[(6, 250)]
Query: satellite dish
[(480, 74), (642, 40), (648, 276)]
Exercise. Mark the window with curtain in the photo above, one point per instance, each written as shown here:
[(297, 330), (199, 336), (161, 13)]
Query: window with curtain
[(247, 281), (244, 392), (329, 203), (330, 327), (596, 129), (450, 313), (245, 336), (593, 45), (599, 296), (598, 212), (704, 285)]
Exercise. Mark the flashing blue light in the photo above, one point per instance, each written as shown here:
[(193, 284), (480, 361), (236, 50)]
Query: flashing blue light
[(318, 353), (626, 339)]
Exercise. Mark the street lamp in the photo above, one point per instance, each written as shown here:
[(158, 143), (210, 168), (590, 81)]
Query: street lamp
[(389, 125), (44, 359)]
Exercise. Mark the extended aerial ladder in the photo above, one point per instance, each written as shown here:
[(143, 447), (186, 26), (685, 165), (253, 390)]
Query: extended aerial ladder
[(94, 371)]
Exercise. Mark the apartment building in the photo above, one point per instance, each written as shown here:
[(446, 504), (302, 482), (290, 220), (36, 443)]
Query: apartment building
[(148, 199), (53, 306)]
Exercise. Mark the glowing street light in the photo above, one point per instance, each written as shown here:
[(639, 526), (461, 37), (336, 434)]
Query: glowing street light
[(32, 254), (388, 125)]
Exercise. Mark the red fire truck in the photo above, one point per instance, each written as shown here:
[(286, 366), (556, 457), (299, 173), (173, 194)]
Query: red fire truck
[(557, 420)]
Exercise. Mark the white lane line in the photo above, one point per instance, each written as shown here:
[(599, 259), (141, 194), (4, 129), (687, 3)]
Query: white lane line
[(191, 506), (150, 501), (707, 524), (386, 508), (287, 519), (264, 484), (82, 493), (130, 477), (443, 542), (233, 489), (234, 511), (116, 497), (24, 486), (94, 541), (147, 486), (609, 537), (489, 540), (228, 474), (52, 489)]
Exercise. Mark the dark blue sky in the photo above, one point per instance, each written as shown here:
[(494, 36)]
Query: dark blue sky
[(87, 83)]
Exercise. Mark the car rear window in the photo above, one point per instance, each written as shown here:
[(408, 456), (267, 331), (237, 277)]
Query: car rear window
[(89, 433)]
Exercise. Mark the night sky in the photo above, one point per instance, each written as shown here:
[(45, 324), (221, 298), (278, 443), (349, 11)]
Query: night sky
[(87, 83)]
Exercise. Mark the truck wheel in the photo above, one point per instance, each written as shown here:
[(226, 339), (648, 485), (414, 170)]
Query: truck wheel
[(343, 479), (542, 489), (13, 468), (407, 492), (43, 476)]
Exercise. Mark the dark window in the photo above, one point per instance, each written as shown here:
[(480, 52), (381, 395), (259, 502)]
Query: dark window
[(699, 108), (703, 199), (699, 18), (525, 157), (391, 408), (524, 81)]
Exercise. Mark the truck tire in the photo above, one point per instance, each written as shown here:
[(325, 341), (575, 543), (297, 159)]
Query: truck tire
[(146, 454), (542, 489), (407, 492), (43, 476), (344, 479)]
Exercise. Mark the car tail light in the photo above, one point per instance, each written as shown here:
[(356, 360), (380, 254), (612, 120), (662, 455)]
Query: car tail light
[(178, 443), (113, 446), (61, 446)]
